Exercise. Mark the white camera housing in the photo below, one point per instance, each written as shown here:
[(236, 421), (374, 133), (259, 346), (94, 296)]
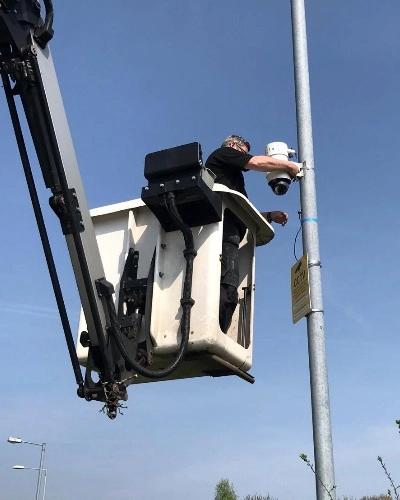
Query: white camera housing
[(279, 180)]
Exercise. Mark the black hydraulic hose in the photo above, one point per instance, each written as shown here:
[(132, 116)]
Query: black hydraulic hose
[(42, 231), (45, 32), (186, 302), (49, 13)]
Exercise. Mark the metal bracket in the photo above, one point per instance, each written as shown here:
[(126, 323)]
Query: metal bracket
[(302, 169), (57, 203), (18, 68), (133, 293), (104, 288), (314, 263)]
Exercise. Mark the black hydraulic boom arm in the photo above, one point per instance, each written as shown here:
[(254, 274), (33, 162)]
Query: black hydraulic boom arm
[(27, 71)]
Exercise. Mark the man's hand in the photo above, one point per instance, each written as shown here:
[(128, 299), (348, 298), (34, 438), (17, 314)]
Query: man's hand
[(279, 217), (292, 169), (276, 216)]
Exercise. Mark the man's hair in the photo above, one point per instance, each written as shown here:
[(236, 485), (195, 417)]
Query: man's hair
[(237, 139)]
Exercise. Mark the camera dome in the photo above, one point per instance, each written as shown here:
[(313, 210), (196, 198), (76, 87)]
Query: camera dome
[(279, 186)]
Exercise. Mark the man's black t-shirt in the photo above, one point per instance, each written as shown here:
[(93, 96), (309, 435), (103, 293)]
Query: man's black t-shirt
[(228, 165)]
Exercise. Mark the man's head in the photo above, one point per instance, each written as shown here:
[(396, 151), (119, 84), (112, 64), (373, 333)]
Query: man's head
[(236, 142)]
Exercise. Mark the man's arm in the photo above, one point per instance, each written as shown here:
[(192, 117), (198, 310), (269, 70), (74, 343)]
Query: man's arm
[(263, 163)]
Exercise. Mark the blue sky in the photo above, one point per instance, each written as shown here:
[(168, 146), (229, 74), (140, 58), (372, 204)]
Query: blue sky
[(141, 76)]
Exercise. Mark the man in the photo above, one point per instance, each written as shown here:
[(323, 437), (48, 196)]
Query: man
[(228, 164)]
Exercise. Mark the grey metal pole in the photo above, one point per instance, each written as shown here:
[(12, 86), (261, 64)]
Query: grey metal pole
[(43, 445), (323, 449), (45, 482)]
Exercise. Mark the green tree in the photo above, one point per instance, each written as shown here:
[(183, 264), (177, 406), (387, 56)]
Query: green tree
[(258, 497), (377, 497), (225, 491)]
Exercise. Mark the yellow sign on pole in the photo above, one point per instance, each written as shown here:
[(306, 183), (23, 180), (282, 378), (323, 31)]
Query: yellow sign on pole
[(301, 302)]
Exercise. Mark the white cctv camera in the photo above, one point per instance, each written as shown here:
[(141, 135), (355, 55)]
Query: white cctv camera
[(279, 180)]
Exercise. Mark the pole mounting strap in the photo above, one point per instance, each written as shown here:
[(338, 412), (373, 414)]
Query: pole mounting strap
[(309, 219), (316, 311)]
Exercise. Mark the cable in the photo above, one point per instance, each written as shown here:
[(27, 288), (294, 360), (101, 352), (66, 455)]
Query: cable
[(295, 239), (186, 302)]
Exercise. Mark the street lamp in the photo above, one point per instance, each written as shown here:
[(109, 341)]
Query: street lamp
[(14, 440), (19, 467)]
